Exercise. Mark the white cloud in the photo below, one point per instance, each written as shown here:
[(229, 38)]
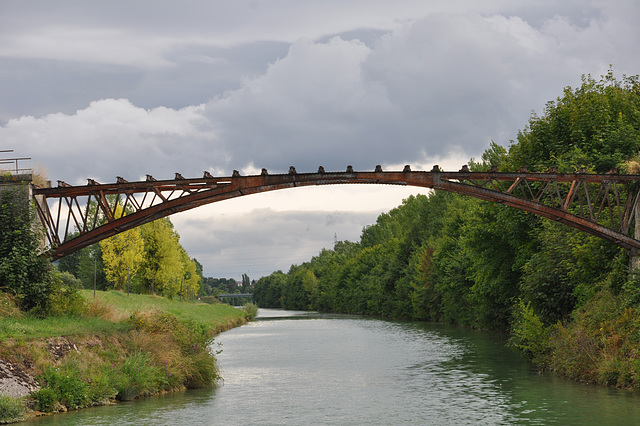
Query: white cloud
[(112, 137)]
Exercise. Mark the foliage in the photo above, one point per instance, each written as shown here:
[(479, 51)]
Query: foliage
[(24, 272), (138, 377), (529, 334), (147, 353), (122, 254), (65, 299), (167, 267), (12, 409), (66, 387), (250, 311), (86, 264), (600, 344), (8, 306), (567, 297)]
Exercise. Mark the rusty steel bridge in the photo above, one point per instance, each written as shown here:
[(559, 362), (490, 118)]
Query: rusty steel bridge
[(605, 205)]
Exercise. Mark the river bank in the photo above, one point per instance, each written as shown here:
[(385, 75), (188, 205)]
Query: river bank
[(121, 348)]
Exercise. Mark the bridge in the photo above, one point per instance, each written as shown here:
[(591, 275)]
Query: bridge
[(233, 298), (605, 205)]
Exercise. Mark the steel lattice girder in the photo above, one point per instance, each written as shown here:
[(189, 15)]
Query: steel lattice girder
[(579, 200)]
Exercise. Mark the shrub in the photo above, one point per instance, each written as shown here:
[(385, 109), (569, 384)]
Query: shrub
[(46, 399), (68, 385), (250, 311), (203, 371), (138, 377), (529, 334), (12, 409)]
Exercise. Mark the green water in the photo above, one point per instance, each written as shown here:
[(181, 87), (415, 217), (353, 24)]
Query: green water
[(290, 368)]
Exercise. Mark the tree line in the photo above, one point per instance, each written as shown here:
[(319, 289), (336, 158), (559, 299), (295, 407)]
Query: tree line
[(446, 257)]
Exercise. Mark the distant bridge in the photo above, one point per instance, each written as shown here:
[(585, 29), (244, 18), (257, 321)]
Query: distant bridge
[(234, 296), (605, 205)]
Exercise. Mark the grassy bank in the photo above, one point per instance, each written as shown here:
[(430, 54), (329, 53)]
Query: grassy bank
[(114, 347)]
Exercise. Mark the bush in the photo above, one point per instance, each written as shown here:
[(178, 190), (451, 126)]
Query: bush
[(46, 399), (65, 300), (66, 381), (69, 280), (250, 311), (138, 377), (529, 334), (211, 300), (12, 409)]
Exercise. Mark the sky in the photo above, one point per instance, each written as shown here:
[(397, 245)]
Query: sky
[(129, 88)]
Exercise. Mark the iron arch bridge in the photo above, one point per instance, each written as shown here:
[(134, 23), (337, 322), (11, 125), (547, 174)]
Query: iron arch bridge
[(74, 217)]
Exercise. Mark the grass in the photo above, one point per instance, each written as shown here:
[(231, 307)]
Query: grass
[(111, 309), (114, 347), (215, 316)]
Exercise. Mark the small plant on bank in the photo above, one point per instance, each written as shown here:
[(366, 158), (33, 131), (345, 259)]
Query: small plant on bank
[(138, 377), (46, 399), (67, 383)]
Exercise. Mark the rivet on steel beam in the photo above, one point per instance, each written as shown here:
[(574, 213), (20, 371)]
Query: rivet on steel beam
[(406, 169), (522, 170), (207, 175), (179, 176), (436, 168), (235, 174), (349, 169), (464, 169), (612, 172), (321, 170), (552, 169), (292, 170), (63, 184), (264, 172), (151, 178), (378, 168), (92, 182), (120, 179)]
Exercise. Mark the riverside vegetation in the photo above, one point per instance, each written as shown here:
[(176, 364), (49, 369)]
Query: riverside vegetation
[(568, 299), (113, 347), (85, 351)]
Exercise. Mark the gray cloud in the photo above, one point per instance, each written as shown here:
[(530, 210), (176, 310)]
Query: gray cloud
[(128, 88)]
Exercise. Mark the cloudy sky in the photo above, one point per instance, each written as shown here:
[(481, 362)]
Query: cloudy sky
[(126, 88)]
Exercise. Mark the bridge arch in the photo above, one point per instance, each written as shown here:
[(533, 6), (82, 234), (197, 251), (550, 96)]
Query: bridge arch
[(604, 205)]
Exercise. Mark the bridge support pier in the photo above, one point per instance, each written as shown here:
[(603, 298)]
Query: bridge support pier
[(634, 254)]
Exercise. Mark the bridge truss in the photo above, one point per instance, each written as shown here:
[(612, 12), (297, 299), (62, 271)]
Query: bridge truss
[(76, 216)]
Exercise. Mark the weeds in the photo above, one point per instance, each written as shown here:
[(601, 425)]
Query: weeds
[(12, 409)]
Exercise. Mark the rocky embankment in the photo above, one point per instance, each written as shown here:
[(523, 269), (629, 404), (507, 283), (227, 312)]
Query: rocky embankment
[(14, 381)]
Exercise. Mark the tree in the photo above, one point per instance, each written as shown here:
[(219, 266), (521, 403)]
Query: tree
[(24, 271), (122, 254), (595, 125)]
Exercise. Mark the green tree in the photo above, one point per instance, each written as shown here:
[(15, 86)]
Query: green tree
[(595, 125), (122, 254), (24, 271), (164, 264)]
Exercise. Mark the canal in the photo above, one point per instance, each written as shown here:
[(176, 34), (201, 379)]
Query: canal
[(293, 368)]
